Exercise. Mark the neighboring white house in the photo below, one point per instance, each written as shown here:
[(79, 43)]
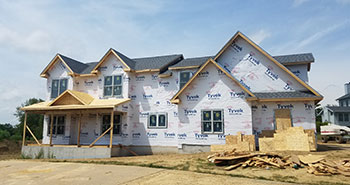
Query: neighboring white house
[(339, 115), (171, 103)]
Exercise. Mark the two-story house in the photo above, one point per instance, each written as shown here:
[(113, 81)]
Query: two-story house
[(339, 115), (170, 103)]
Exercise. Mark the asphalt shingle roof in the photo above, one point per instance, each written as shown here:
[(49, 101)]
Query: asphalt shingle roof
[(157, 62), (288, 94), (339, 109), (295, 58), (76, 66), (344, 97), (196, 61), (177, 60)]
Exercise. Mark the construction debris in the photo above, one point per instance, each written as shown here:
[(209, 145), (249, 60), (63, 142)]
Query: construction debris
[(289, 139), (239, 142), (316, 164)]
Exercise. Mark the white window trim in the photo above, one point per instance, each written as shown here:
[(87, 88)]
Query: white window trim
[(191, 74), (59, 87), (115, 96), (114, 124), (157, 124), (212, 121), (54, 124)]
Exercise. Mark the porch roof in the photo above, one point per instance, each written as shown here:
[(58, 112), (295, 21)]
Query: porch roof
[(74, 100)]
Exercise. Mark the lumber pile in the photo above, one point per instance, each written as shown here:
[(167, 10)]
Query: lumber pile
[(238, 142), (316, 164), (289, 139)]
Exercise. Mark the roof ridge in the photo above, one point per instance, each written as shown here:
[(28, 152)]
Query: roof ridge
[(292, 54)]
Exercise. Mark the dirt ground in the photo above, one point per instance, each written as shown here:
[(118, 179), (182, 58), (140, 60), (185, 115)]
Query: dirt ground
[(42, 173), (199, 163)]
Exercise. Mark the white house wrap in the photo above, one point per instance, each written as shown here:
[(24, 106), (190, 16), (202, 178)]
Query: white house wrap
[(168, 103)]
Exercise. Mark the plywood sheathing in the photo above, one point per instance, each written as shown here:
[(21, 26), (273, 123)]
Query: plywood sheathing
[(238, 142), (290, 139), (283, 119)]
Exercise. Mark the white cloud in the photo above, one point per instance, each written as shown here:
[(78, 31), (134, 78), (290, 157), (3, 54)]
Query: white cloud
[(34, 41), (259, 36)]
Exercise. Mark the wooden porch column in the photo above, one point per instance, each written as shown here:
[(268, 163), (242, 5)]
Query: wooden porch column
[(79, 129), (51, 127), (111, 132), (24, 129)]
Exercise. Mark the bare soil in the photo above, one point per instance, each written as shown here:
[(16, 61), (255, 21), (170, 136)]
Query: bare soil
[(198, 163)]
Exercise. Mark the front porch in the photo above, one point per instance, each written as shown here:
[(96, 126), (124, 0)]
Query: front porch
[(77, 126)]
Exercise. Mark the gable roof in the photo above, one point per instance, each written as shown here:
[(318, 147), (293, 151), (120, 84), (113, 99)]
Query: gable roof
[(241, 35), (81, 97), (210, 60), (127, 62), (58, 57)]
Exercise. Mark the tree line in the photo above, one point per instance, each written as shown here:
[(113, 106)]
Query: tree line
[(34, 121)]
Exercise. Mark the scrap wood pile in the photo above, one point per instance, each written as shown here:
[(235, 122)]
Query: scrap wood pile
[(316, 164)]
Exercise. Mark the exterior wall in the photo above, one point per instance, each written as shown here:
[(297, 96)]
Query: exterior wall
[(212, 89), (255, 70), (58, 71), (327, 115), (94, 85), (300, 71), (302, 113)]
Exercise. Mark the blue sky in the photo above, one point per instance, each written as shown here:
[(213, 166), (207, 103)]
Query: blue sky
[(32, 32)]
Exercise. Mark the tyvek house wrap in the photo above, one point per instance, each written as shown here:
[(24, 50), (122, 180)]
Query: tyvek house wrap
[(254, 70), (212, 89), (302, 114)]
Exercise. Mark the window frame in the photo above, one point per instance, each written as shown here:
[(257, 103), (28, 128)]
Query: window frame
[(113, 86), (59, 86), (212, 121), (341, 115), (114, 124), (190, 76), (157, 114), (55, 125)]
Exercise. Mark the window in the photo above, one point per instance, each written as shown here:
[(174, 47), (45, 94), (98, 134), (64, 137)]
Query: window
[(58, 86), (58, 125), (158, 120), (212, 121), (341, 103), (341, 117), (346, 117), (347, 103), (184, 78), (106, 123), (113, 86)]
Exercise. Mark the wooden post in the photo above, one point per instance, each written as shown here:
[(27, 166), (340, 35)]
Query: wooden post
[(79, 129), (111, 132), (24, 129), (51, 127)]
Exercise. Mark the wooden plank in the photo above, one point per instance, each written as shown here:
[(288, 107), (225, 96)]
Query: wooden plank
[(92, 144), (24, 129), (233, 166), (79, 130), (111, 132), (51, 124), (33, 135), (268, 162), (283, 119), (230, 158)]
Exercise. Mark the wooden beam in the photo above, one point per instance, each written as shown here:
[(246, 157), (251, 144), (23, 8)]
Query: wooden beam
[(79, 130), (24, 129), (184, 67), (104, 133), (111, 132), (33, 135), (51, 127)]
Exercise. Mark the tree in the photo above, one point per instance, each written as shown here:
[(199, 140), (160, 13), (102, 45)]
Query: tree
[(34, 121)]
